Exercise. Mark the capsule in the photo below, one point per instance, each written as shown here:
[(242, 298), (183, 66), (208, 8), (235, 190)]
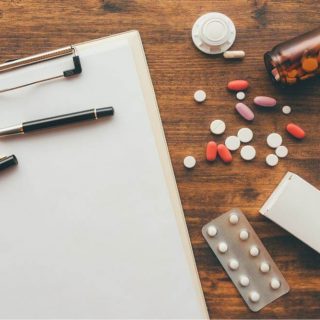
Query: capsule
[(264, 101), (224, 153), (211, 151), (238, 85), (295, 131), (236, 54), (245, 111)]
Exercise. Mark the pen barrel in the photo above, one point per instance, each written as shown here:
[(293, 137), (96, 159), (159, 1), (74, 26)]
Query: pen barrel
[(7, 162)]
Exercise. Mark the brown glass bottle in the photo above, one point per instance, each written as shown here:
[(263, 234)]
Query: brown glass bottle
[(295, 60)]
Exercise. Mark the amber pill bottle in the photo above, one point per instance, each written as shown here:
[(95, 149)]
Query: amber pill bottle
[(295, 60)]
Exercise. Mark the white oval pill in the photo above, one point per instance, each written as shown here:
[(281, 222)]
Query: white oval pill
[(189, 162), (234, 219), (282, 151), (244, 281), (212, 231), (217, 127), (200, 96), (240, 95), (244, 235), (254, 251), (223, 247), (272, 160), (275, 284), (274, 140), (254, 296), (236, 54), (264, 267), (232, 143), (233, 264), (245, 135), (248, 153), (286, 109)]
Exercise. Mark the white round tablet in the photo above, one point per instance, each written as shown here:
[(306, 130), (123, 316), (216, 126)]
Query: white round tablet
[(275, 284), (217, 127), (244, 281), (282, 151), (254, 296), (233, 264), (274, 140), (264, 267), (286, 109), (240, 95), (248, 153), (272, 160), (244, 235), (189, 162), (232, 143), (254, 251), (233, 219), (212, 231), (223, 247), (245, 135), (200, 96)]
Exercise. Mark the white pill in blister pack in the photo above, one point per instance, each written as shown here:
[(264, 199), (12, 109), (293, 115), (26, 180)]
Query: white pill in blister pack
[(245, 259)]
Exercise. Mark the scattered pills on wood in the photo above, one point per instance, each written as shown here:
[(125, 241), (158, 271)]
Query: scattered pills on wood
[(189, 162), (238, 85), (245, 135), (282, 151), (272, 160), (200, 96), (248, 153), (295, 131), (224, 153), (232, 143), (244, 111), (274, 140), (217, 127), (286, 109), (240, 95), (275, 284), (236, 54), (212, 231), (264, 101), (211, 151)]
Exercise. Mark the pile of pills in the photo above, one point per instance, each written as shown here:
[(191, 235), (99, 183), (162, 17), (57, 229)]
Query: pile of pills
[(245, 259)]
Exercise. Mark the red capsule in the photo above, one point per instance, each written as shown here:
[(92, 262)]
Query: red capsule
[(295, 131), (224, 153), (211, 151), (238, 85)]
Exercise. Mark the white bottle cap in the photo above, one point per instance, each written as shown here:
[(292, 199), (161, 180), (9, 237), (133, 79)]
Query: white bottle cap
[(213, 33)]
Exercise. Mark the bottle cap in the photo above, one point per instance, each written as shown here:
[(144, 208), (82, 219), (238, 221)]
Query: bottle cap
[(213, 33)]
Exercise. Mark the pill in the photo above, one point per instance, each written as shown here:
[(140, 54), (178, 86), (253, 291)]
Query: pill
[(310, 64), (264, 267), (233, 264), (275, 74), (244, 281), (236, 54), (189, 162), (199, 96), (245, 135), (217, 127), (272, 160), (295, 131), (254, 296), (212, 231), (244, 235), (234, 219), (245, 111), (263, 101), (232, 143), (274, 140), (275, 283), (223, 247), (254, 251), (286, 109), (240, 95), (282, 151), (238, 85), (248, 153), (224, 153), (211, 151)]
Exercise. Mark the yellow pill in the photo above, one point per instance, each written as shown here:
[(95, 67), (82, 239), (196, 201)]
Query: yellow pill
[(310, 64), (293, 73)]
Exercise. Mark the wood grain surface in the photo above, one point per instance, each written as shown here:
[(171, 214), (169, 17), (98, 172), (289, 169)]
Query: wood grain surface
[(178, 69)]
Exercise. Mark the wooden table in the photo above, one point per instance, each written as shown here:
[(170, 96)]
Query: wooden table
[(178, 69)]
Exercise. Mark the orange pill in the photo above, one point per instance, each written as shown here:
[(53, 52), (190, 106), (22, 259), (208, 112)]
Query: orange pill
[(224, 153), (211, 151), (295, 131), (310, 64), (238, 85)]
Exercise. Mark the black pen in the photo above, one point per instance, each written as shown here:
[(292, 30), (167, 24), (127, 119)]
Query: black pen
[(8, 161), (25, 127)]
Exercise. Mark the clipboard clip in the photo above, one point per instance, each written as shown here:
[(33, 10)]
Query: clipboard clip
[(19, 63)]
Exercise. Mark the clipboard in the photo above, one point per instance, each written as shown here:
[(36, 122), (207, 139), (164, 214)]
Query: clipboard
[(92, 223)]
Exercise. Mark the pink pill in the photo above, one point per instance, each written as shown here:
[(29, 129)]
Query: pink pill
[(245, 111), (263, 101)]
